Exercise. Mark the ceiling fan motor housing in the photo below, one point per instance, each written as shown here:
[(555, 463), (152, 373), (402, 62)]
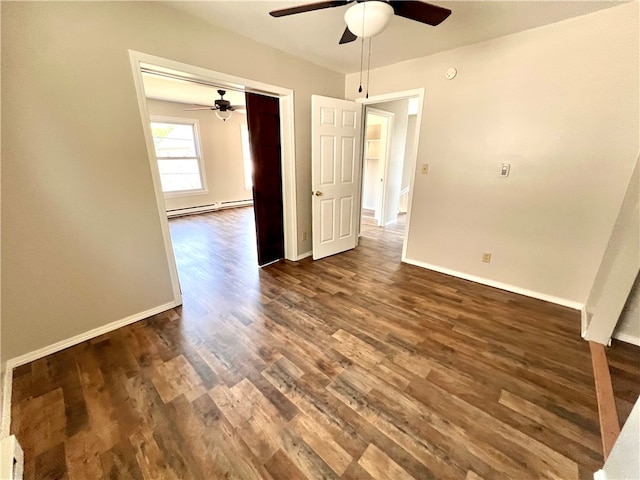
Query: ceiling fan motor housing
[(222, 104), (368, 18)]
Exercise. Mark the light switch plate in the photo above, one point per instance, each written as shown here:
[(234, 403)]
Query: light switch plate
[(504, 169)]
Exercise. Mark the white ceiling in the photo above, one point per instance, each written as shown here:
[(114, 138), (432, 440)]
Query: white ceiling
[(183, 91), (314, 35)]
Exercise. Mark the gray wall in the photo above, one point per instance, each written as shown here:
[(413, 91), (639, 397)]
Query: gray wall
[(628, 327), (560, 103), (81, 239), (618, 268)]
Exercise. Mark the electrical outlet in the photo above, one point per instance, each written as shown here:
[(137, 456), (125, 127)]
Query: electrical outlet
[(425, 168), (486, 257), (304, 236)]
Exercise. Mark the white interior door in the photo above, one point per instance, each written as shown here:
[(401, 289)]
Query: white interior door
[(336, 133)]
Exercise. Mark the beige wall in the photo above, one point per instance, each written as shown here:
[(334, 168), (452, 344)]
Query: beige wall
[(617, 270), (560, 104), (628, 327), (2, 362), (81, 239), (221, 154)]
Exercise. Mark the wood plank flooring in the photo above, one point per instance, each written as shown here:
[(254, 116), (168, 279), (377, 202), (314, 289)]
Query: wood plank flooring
[(352, 367), (624, 367), (607, 414)]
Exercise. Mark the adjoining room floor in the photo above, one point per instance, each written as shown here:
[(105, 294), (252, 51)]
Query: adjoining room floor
[(391, 233), (354, 367)]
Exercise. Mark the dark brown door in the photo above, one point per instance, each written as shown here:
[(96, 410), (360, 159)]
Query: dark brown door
[(263, 119)]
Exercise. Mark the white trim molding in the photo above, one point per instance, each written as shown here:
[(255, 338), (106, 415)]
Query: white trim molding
[(195, 124), (11, 459), (138, 82), (93, 333), (502, 286), (625, 337), (7, 384), (194, 73), (304, 255), (289, 181), (61, 345)]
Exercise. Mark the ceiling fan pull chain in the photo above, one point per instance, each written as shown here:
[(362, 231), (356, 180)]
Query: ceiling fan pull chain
[(364, 11), (368, 68), (361, 60)]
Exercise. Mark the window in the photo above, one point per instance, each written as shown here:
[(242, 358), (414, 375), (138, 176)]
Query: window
[(246, 157), (178, 154)]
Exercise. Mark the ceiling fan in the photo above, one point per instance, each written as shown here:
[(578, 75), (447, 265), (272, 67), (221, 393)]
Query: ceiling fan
[(367, 18), (222, 107)]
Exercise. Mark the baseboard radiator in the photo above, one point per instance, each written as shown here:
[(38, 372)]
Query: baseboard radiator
[(212, 207)]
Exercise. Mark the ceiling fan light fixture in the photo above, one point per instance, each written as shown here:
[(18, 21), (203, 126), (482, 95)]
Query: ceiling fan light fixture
[(223, 114), (376, 14)]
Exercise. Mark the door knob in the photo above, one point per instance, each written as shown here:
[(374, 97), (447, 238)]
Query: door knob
[(318, 193)]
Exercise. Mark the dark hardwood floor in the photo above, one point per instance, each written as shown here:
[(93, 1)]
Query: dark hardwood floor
[(352, 367), (392, 235), (624, 366)]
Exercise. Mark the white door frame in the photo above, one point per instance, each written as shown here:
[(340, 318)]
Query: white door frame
[(287, 145), (385, 159), (388, 97)]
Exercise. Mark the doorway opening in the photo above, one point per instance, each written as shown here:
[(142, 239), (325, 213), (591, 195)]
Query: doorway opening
[(389, 160), (214, 153), (377, 143), (191, 175)]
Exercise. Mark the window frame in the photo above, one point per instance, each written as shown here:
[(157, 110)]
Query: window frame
[(195, 124)]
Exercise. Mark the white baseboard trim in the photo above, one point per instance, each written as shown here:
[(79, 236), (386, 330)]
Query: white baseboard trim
[(304, 255), (177, 212), (96, 332), (583, 321), (502, 286), (270, 263), (625, 337), (61, 345), (600, 475)]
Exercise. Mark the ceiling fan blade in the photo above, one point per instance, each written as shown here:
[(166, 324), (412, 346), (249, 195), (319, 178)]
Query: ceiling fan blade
[(347, 36), (308, 8), (198, 108), (236, 107), (420, 11)]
